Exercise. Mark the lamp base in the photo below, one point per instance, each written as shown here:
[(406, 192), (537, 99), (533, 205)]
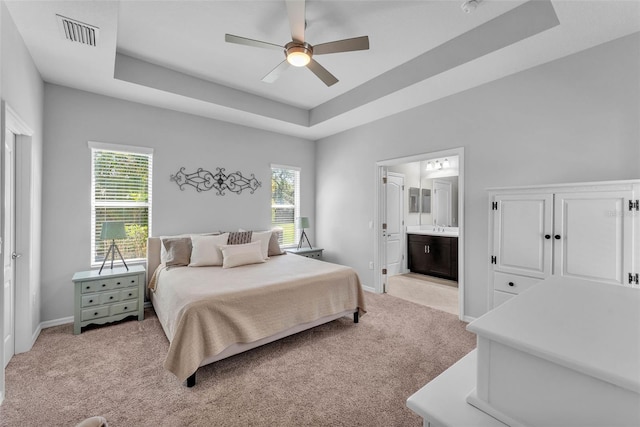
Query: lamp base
[(112, 250), (304, 236)]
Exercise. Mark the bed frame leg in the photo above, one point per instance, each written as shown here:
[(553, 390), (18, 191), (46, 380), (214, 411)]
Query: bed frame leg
[(355, 317), (191, 381)]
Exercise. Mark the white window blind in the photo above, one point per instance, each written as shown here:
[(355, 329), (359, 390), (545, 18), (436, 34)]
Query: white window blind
[(285, 202), (120, 191)]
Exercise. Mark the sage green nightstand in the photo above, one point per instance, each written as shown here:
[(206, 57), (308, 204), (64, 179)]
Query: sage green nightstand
[(108, 297), (307, 252)]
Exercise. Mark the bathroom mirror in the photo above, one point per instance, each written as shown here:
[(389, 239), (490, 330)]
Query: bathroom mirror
[(414, 200)]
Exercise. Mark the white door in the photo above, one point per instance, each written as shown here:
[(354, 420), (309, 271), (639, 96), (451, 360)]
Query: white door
[(394, 234), (592, 236), (442, 203), (522, 238), (8, 247)]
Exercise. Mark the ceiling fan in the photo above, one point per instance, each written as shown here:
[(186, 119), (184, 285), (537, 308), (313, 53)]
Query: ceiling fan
[(298, 52)]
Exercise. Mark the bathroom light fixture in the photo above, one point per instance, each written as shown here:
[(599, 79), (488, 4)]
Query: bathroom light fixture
[(438, 165), (445, 163), (429, 166)]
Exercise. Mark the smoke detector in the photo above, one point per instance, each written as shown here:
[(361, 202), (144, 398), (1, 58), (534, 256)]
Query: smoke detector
[(77, 31), (470, 5)]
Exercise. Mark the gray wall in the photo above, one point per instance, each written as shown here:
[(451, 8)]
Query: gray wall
[(571, 120), (73, 117), (23, 91)]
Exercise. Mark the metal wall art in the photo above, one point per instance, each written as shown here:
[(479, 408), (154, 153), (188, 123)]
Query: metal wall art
[(203, 180)]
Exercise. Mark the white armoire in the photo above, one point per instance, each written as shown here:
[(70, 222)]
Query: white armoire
[(588, 231)]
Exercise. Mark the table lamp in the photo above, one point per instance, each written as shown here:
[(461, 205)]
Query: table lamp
[(112, 230), (303, 222)]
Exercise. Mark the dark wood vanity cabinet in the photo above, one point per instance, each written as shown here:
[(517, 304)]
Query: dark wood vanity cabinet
[(433, 255)]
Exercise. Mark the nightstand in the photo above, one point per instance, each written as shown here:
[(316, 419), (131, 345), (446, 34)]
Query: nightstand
[(108, 297), (307, 252)]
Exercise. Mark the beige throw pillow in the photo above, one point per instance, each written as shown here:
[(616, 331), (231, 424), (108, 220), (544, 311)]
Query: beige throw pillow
[(237, 255), (206, 250), (263, 237)]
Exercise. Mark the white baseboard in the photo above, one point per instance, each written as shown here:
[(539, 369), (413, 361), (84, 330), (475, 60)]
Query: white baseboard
[(468, 319), (55, 322), (369, 289)]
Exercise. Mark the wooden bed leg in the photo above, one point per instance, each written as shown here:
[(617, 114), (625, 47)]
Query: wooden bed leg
[(355, 317), (191, 381)]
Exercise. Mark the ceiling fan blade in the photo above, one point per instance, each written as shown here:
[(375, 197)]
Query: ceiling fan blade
[(346, 45), (230, 38), (276, 72), (295, 11), (322, 73)]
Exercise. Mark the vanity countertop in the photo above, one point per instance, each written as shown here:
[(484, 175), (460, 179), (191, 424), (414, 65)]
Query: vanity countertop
[(433, 231)]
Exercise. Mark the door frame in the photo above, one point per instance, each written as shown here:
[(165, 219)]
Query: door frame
[(23, 310), (379, 206)]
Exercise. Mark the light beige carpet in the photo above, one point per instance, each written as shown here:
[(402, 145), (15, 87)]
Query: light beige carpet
[(433, 292), (338, 374)]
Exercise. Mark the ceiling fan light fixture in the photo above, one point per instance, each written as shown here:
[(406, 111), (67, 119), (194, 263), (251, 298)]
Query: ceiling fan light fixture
[(298, 55)]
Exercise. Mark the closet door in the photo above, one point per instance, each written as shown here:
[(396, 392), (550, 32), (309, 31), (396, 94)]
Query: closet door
[(522, 234), (593, 236)]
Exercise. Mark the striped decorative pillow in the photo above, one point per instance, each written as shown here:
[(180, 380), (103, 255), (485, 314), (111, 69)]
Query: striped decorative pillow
[(239, 237)]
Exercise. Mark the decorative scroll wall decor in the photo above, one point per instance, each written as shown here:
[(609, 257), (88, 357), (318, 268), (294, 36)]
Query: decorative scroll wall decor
[(203, 180)]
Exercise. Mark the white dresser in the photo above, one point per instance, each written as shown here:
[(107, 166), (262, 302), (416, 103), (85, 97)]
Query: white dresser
[(108, 297), (587, 231), (565, 353)]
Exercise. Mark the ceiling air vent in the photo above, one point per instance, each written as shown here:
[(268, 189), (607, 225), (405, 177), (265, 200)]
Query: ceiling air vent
[(77, 31)]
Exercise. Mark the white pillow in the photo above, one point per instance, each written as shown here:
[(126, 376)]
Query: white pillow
[(237, 255), (206, 250), (263, 237)]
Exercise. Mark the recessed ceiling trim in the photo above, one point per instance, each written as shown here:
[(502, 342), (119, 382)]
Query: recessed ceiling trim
[(77, 31)]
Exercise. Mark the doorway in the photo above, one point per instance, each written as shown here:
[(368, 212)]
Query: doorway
[(452, 215), (8, 246)]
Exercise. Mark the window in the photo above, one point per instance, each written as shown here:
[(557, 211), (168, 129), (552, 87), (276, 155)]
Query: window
[(285, 202), (120, 191)]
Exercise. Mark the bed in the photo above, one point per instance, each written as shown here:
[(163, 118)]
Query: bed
[(211, 313)]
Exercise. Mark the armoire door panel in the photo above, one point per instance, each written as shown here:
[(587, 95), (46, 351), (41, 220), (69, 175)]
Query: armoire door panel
[(593, 235), (521, 223)]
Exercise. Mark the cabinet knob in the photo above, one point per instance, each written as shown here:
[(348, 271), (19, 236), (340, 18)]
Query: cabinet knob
[(547, 236), (110, 297), (104, 284), (118, 283), (511, 284), (130, 294), (90, 300), (126, 308), (557, 237), (95, 314)]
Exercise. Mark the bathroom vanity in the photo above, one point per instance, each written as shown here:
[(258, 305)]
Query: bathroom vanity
[(433, 252)]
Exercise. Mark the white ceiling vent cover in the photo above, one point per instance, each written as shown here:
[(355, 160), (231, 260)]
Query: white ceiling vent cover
[(77, 31)]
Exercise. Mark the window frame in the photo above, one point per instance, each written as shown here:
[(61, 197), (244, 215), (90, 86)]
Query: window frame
[(124, 149), (297, 202)]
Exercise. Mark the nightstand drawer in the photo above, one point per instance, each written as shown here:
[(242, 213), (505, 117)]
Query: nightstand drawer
[(125, 282), (126, 294), (123, 307), (95, 313), (90, 300), (97, 285), (108, 297)]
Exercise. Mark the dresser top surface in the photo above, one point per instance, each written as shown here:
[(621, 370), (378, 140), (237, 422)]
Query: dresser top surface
[(583, 325), (107, 273)]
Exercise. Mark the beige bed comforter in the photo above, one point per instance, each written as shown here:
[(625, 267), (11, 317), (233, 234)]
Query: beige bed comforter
[(204, 310)]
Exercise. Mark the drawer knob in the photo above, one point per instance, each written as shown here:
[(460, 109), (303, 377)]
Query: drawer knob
[(118, 283), (511, 284), (88, 287), (130, 294), (110, 297), (547, 236), (104, 284), (95, 314), (557, 237), (90, 300), (125, 307)]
